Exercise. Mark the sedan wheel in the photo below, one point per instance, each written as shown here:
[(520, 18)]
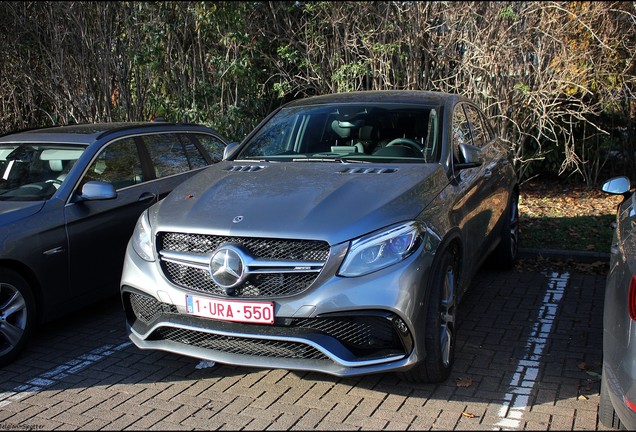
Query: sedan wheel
[(505, 255), (16, 314), (441, 311)]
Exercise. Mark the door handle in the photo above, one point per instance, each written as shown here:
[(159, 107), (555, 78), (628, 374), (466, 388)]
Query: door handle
[(146, 197)]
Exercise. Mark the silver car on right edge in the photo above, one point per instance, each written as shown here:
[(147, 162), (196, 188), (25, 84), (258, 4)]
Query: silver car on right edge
[(618, 382), (338, 237)]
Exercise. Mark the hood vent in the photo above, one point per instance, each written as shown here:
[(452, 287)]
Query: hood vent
[(245, 168), (368, 171)]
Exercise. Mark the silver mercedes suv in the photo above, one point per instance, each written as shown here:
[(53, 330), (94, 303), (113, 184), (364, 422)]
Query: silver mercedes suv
[(338, 237)]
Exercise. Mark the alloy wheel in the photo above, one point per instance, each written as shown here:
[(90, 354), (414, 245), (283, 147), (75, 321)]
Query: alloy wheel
[(13, 317), (447, 315)]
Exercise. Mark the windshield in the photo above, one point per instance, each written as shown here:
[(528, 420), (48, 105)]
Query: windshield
[(33, 172), (353, 132)]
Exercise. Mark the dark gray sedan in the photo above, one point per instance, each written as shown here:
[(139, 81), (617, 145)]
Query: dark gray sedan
[(338, 237), (618, 382), (69, 200)]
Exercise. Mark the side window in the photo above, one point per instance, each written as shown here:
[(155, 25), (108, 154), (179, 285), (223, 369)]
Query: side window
[(173, 154), (489, 135), (460, 130), (213, 145), (476, 126), (117, 163), (274, 139)]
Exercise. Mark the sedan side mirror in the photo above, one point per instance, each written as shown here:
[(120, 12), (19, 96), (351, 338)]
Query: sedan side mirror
[(617, 186), (469, 157), (97, 190)]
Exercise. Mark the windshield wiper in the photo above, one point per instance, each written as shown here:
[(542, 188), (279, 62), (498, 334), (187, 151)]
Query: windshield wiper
[(339, 160)]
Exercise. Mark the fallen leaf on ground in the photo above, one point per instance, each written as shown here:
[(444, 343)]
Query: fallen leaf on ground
[(468, 415), (583, 398), (464, 382)]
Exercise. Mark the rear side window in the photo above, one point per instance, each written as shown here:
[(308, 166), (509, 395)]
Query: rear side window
[(173, 154)]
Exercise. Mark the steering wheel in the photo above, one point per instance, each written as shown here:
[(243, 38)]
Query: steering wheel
[(406, 142), (55, 182)]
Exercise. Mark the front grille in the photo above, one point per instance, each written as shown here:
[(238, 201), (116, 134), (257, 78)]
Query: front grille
[(262, 285), (240, 345), (266, 284)]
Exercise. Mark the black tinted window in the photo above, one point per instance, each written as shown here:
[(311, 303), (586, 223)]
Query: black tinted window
[(173, 154)]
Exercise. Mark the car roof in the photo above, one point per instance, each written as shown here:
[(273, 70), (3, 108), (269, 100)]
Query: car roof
[(89, 133), (381, 96)]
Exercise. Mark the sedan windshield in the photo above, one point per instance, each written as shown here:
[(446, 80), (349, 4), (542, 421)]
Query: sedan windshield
[(33, 172), (351, 132)]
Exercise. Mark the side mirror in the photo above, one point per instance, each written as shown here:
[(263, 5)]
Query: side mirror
[(469, 157), (617, 186), (230, 149), (97, 190)]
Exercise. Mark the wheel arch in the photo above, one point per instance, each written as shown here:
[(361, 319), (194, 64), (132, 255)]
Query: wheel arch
[(453, 243), (29, 276)]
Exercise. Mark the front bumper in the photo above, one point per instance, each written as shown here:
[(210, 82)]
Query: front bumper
[(341, 326)]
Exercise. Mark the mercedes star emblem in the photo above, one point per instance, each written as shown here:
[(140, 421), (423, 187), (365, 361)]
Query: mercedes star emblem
[(227, 268)]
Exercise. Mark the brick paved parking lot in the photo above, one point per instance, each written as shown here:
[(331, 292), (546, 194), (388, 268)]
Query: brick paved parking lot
[(529, 355)]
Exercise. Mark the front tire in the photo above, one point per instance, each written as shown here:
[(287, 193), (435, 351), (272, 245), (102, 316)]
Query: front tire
[(17, 314), (441, 311)]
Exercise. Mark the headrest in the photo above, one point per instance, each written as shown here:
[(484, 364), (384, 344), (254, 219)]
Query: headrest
[(342, 132), (368, 133)]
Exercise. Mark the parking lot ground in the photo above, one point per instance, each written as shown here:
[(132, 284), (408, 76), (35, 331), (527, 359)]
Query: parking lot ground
[(529, 353)]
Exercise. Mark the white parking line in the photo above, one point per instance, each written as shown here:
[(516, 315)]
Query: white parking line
[(53, 376), (525, 376)]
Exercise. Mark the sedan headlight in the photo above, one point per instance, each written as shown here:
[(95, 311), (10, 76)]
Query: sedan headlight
[(381, 249), (142, 238)]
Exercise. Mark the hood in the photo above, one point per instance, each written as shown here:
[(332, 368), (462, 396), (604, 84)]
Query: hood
[(13, 211), (327, 201)]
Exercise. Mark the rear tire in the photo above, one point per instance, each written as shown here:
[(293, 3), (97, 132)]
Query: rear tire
[(441, 310), (505, 255), (606, 412), (17, 314)]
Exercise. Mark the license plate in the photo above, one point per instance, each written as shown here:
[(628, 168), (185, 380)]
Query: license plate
[(238, 311)]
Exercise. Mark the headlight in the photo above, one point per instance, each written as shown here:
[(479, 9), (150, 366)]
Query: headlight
[(381, 249), (142, 238)]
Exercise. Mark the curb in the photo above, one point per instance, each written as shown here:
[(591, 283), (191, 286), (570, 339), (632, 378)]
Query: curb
[(581, 256)]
